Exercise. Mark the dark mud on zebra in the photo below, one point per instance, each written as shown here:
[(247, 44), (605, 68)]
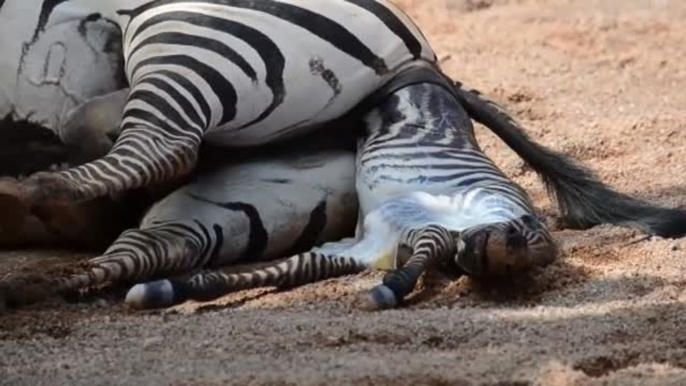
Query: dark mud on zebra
[(601, 81)]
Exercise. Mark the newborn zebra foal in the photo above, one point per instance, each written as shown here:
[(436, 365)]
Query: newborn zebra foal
[(423, 182), (271, 203)]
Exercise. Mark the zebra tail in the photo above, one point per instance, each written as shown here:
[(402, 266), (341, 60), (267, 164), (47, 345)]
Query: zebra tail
[(584, 200), (300, 269)]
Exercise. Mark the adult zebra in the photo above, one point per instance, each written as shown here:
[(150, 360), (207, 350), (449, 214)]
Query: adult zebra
[(252, 75), (230, 73)]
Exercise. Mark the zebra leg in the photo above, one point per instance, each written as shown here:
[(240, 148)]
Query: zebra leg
[(89, 133), (158, 143), (504, 248), (429, 246), (297, 270), (135, 255)]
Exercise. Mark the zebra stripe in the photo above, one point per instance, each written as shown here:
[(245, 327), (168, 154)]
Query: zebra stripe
[(258, 237)]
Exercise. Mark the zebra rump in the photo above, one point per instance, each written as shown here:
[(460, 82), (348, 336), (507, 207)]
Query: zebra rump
[(584, 200)]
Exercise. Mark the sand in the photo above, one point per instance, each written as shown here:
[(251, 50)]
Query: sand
[(603, 80)]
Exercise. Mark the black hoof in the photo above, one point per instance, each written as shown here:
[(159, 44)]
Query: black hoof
[(378, 298)]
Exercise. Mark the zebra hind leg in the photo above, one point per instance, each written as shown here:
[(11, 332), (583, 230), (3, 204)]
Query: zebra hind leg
[(89, 133), (297, 270), (504, 248), (149, 150), (430, 245), (135, 255)]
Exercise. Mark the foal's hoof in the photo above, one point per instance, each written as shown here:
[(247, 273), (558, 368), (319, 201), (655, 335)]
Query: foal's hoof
[(14, 208), (378, 298)]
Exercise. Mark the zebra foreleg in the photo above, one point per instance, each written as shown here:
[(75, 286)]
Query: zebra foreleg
[(430, 245), (300, 269), (504, 248)]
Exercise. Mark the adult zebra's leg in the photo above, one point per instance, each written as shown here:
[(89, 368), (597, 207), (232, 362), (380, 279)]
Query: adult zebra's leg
[(137, 254), (429, 246), (161, 132), (89, 133), (504, 248), (297, 270)]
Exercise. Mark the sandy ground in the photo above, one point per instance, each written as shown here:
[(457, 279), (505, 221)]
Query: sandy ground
[(603, 80)]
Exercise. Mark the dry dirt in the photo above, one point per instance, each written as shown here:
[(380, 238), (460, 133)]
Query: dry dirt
[(603, 80)]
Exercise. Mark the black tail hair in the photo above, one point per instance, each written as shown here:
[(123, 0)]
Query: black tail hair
[(583, 199)]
